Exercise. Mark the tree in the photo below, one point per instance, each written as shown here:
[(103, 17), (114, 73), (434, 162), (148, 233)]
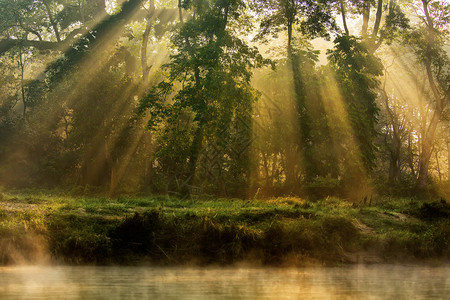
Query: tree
[(428, 39), (310, 19), (208, 73), (357, 68), (394, 21), (47, 24)]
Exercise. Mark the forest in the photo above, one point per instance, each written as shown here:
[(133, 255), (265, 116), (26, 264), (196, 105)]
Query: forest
[(229, 98)]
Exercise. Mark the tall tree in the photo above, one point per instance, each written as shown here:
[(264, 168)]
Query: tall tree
[(308, 19), (213, 66), (357, 70), (428, 40), (388, 22), (357, 67)]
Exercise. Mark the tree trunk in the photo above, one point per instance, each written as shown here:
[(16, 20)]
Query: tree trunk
[(22, 84), (274, 170), (180, 12), (266, 169), (289, 166), (52, 21), (366, 16), (302, 113), (440, 104), (289, 28), (344, 20), (394, 172), (149, 159), (411, 158), (448, 161), (436, 154), (427, 149), (145, 38), (111, 168), (376, 26), (394, 166), (196, 147), (82, 175), (113, 180)]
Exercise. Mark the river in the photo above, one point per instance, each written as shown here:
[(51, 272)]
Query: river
[(352, 282)]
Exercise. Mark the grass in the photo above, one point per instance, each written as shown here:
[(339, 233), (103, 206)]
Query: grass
[(158, 229)]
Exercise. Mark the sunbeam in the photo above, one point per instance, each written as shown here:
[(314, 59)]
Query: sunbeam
[(344, 145)]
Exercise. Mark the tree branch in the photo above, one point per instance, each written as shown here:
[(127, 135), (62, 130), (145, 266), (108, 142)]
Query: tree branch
[(7, 44), (434, 88), (145, 37), (52, 21), (102, 29)]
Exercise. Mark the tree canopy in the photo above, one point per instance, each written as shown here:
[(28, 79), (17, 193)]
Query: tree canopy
[(226, 97)]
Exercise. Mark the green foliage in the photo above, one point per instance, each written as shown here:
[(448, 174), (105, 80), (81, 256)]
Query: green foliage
[(321, 187), (357, 70), (70, 85), (435, 210), (396, 23), (138, 232), (428, 42), (313, 18), (213, 67), (172, 231)]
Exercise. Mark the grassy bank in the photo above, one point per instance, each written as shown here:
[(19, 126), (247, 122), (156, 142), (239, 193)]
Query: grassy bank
[(41, 227)]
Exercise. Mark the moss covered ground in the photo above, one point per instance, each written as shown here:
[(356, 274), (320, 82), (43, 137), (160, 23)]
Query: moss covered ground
[(44, 227)]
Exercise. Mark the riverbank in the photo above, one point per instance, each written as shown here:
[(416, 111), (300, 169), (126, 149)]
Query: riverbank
[(51, 228)]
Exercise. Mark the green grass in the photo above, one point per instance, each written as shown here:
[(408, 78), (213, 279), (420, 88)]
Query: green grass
[(165, 230)]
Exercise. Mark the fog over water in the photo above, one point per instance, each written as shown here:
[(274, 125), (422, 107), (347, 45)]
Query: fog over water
[(356, 282)]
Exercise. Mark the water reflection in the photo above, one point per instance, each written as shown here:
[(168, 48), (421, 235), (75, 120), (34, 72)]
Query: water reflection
[(370, 282)]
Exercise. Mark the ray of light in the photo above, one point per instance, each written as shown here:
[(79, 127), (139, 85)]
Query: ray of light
[(89, 68), (343, 139)]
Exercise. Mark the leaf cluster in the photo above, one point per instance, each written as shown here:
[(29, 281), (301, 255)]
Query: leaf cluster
[(313, 18), (357, 70), (212, 65)]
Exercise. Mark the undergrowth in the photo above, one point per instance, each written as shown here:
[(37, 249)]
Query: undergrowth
[(164, 230)]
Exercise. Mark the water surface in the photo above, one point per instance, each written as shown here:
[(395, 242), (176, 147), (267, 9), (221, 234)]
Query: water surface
[(356, 282)]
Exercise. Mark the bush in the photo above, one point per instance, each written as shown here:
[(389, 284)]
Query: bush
[(137, 234), (322, 187), (225, 243), (435, 210)]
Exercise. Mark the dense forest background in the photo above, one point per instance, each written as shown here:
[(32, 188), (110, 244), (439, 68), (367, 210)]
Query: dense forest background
[(236, 98)]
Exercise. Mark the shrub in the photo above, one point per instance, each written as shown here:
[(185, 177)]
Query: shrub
[(434, 210), (137, 234)]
